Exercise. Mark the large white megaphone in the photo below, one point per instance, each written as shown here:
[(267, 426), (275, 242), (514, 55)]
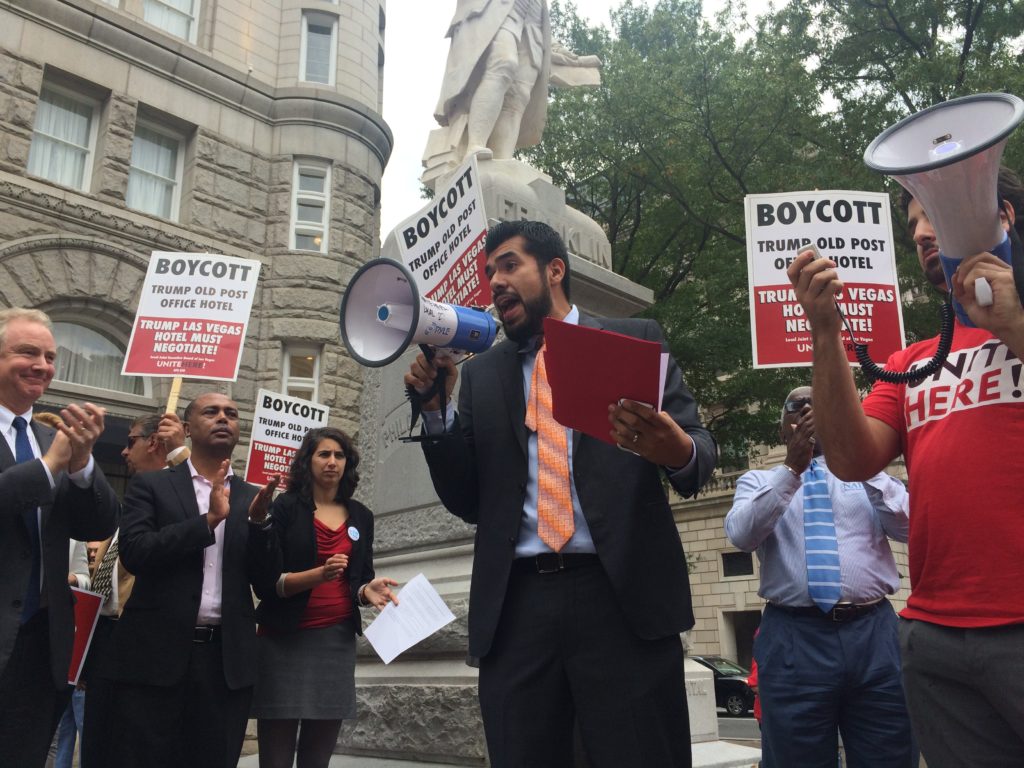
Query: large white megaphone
[(947, 156), (382, 313)]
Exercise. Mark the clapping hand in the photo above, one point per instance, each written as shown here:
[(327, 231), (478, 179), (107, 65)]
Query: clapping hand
[(83, 426)]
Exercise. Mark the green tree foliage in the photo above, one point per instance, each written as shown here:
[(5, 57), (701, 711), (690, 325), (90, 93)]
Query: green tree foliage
[(691, 116)]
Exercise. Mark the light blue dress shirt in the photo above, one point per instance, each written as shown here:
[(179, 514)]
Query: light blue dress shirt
[(529, 542), (767, 516)]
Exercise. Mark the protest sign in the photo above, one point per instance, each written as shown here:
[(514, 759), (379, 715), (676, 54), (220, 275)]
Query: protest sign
[(853, 229), (87, 614), (192, 317), (442, 244), (279, 423)]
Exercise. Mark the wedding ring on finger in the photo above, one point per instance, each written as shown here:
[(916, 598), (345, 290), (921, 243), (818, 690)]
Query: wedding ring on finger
[(636, 436)]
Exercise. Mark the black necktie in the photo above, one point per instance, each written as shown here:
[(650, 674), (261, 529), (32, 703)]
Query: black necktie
[(22, 453)]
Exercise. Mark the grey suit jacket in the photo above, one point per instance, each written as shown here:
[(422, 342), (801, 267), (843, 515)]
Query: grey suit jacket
[(68, 512), (480, 474)]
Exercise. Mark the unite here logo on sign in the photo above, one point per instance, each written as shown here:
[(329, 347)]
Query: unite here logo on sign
[(851, 228), (192, 317)]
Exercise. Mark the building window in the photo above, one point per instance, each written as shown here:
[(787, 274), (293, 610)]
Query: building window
[(87, 357), (63, 138), (311, 205), (301, 371), (176, 17), (317, 55), (153, 179), (736, 564)]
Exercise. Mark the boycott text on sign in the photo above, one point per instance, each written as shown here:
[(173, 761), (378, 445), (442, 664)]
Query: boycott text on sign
[(854, 230), (279, 424), (442, 244), (192, 317)]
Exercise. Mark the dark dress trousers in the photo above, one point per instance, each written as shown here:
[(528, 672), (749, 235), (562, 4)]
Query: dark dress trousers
[(36, 681), (604, 641), (182, 695)]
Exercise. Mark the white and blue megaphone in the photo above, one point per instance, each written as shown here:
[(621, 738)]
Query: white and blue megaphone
[(382, 313), (947, 156)]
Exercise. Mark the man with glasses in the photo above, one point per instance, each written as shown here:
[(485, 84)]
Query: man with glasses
[(827, 653), (154, 442)]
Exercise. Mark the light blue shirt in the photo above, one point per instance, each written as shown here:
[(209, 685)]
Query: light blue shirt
[(529, 542), (768, 516)]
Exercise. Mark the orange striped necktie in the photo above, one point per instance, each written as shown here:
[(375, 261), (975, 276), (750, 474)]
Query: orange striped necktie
[(554, 499)]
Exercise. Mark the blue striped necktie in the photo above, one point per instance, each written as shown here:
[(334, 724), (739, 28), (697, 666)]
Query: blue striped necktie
[(820, 539), (22, 453)]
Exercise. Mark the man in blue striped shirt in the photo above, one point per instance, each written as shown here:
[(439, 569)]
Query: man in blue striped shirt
[(827, 653)]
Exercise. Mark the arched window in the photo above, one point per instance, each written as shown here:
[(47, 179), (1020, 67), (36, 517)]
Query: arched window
[(90, 358)]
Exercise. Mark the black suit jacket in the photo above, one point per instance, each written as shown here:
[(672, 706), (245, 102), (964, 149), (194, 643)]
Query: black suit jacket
[(69, 512), (289, 546), (162, 539), (480, 474)]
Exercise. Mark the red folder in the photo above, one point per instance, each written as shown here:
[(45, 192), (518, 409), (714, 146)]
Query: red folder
[(87, 613), (590, 369)]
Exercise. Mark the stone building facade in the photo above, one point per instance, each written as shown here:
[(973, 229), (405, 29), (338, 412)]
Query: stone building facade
[(249, 128)]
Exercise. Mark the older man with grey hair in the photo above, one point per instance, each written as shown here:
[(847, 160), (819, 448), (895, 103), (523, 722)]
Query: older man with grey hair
[(51, 492), (827, 654)]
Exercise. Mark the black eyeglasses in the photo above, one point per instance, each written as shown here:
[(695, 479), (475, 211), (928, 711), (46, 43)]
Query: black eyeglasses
[(796, 405), (132, 439)]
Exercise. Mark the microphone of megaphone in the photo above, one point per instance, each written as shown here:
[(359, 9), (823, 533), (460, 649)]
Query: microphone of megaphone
[(382, 313), (947, 156)]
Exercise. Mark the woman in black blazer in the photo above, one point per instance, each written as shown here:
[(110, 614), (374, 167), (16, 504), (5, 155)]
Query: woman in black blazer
[(319, 543)]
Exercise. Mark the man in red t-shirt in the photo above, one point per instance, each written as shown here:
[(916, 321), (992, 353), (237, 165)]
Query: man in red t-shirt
[(961, 431)]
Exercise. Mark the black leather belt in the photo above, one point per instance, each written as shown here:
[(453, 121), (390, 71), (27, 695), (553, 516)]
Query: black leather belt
[(840, 612), (206, 633), (553, 562)]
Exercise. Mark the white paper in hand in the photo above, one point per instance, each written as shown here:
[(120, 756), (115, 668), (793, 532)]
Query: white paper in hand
[(420, 614)]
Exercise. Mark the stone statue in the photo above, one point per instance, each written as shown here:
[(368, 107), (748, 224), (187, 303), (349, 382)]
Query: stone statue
[(494, 95)]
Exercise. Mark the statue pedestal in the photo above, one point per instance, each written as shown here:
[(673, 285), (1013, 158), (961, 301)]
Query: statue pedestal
[(422, 708), (513, 190)]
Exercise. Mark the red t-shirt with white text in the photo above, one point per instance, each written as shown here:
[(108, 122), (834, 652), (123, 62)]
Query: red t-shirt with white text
[(962, 435)]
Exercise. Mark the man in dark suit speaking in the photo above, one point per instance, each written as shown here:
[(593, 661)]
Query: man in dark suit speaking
[(50, 491), (184, 649), (580, 587)]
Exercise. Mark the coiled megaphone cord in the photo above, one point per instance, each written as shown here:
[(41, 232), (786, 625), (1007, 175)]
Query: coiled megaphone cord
[(875, 372)]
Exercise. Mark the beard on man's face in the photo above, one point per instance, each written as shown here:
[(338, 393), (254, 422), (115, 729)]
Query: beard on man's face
[(535, 309), (934, 274)]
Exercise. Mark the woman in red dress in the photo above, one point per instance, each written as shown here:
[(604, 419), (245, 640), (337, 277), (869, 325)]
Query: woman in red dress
[(320, 542)]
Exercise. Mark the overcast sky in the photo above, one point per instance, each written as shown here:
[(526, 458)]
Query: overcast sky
[(414, 59)]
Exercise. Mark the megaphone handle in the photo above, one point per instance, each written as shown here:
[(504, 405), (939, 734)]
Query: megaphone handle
[(439, 388), (983, 289), (441, 385), (983, 292)]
